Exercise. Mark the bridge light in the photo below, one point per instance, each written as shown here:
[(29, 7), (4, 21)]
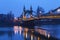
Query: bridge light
[(40, 12), (58, 10), (15, 18)]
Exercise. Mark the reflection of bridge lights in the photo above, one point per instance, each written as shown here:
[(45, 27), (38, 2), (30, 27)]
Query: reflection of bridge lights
[(38, 38), (20, 29), (43, 32), (26, 29), (15, 29), (25, 32), (31, 37), (48, 35)]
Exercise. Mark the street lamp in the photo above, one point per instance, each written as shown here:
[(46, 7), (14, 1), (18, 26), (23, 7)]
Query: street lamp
[(58, 10)]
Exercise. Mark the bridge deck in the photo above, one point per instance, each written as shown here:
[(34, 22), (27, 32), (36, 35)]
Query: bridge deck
[(42, 17)]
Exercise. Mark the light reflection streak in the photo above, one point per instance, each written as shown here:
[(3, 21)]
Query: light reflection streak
[(43, 32), (20, 29), (31, 37), (16, 29), (26, 29), (38, 38), (48, 35), (25, 32)]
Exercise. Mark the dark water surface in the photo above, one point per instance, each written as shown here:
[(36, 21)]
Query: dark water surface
[(53, 29), (19, 33), (16, 33)]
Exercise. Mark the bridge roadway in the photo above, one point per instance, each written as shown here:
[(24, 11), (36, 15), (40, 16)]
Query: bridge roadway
[(42, 17), (42, 20)]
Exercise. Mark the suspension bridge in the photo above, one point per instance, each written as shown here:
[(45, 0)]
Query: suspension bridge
[(27, 17)]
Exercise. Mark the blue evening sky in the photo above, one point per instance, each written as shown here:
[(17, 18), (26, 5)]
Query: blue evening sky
[(17, 5)]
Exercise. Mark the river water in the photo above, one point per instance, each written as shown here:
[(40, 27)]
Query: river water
[(19, 33), (53, 29)]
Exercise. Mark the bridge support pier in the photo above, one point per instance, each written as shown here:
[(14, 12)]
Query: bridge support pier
[(28, 24)]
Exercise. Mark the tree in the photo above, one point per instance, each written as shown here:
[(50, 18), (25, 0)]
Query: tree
[(10, 16)]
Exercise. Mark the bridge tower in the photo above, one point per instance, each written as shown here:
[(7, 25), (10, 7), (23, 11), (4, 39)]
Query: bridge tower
[(24, 12), (27, 12), (40, 10), (31, 12), (51, 13), (38, 13)]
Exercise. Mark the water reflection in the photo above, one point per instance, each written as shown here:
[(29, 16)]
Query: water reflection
[(20, 33), (48, 35), (16, 29), (31, 36), (20, 29), (26, 32), (38, 38), (43, 32)]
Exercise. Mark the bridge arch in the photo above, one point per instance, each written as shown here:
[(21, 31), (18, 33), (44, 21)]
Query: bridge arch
[(28, 12)]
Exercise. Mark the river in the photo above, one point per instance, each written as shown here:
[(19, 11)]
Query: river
[(20, 33)]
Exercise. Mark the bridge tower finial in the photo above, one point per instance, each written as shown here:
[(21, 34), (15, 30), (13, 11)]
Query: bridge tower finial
[(38, 11), (31, 11), (24, 12)]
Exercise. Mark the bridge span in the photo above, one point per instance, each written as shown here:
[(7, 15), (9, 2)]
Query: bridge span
[(43, 20), (52, 17)]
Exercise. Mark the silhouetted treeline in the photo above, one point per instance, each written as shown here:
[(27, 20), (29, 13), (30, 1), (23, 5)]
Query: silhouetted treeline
[(6, 19)]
